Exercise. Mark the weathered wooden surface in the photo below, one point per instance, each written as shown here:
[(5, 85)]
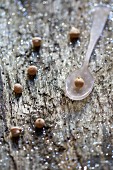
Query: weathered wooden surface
[(78, 135)]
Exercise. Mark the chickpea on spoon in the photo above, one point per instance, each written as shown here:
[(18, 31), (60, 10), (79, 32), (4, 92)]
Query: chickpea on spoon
[(79, 83)]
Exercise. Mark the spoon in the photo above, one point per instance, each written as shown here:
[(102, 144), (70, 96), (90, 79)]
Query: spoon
[(100, 17)]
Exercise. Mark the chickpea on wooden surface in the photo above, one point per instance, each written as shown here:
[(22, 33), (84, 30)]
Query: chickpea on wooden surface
[(36, 42), (32, 70), (15, 131), (39, 123), (18, 88), (79, 82), (74, 33)]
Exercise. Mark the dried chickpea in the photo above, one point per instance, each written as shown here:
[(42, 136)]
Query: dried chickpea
[(18, 88), (74, 33), (15, 131), (79, 82), (32, 70), (39, 123), (36, 41)]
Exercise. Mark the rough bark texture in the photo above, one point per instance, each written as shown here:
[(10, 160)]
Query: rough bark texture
[(78, 134)]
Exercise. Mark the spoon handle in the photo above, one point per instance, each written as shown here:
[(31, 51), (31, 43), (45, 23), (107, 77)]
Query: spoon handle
[(100, 17)]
